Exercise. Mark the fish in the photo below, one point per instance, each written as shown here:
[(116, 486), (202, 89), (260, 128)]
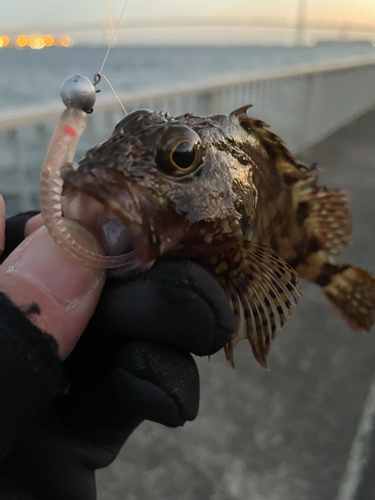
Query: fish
[(224, 191)]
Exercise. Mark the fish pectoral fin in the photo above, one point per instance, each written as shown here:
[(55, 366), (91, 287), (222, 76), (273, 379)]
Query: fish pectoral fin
[(351, 292), (263, 289)]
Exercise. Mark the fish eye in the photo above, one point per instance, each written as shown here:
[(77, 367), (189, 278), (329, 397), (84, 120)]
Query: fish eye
[(180, 152), (183, 155)]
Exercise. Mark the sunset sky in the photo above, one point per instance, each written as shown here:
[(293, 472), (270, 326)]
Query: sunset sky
[(20, 15)]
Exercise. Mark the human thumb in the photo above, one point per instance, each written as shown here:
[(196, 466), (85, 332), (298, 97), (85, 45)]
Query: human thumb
[(58, 294)]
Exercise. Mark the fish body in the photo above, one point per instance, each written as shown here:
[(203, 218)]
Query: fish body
[(223, 190)]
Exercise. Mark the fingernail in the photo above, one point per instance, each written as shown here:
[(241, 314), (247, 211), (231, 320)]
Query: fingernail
[(41, 261)]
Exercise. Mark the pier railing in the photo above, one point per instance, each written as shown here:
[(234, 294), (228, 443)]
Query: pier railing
[(303, 105)]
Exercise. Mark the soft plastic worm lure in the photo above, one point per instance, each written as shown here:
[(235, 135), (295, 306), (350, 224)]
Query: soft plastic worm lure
[(78, 94)]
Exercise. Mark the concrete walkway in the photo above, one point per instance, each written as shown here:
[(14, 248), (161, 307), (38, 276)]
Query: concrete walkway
[(286, 434)]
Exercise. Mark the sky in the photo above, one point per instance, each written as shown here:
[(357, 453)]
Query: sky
[(53, 15)]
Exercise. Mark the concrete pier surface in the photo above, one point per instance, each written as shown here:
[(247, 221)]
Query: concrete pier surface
[(301, 431)]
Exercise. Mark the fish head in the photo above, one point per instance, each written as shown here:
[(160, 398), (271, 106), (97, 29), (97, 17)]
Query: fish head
[(167, 185)]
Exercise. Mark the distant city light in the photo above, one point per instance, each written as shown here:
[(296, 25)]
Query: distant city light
[(48, 40), (22, 40), (289, 43), (4, 41), (36, 42), (65, 41)]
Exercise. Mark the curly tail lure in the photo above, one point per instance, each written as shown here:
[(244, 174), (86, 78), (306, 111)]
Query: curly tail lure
[(78, 94)]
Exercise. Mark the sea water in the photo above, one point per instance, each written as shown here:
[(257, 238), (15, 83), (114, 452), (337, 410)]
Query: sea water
[(33, 77)]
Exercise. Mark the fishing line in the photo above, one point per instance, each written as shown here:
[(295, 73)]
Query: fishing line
[(113, 90), (113, 35), (99, 74)]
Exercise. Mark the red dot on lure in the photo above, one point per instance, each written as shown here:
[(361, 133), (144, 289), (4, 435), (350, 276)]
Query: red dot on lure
[(71, 131)]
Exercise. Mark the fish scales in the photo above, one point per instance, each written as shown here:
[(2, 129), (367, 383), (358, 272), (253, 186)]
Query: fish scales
[(224, 191)]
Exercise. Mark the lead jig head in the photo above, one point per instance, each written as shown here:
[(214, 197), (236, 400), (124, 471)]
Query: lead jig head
[(78, 92)]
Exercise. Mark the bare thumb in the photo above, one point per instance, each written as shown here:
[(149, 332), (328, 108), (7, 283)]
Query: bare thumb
[(65, 292)]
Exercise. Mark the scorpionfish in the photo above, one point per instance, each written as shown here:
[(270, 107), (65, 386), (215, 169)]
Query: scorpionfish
[(224, 191)]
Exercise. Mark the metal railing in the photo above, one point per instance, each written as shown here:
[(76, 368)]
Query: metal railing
[(302, 105)]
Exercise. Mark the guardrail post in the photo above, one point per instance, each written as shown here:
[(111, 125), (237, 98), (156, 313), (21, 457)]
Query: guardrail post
[(307, 106), (210, 102)]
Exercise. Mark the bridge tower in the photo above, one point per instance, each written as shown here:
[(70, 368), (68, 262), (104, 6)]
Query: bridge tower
[(108, 21), (300, 38)]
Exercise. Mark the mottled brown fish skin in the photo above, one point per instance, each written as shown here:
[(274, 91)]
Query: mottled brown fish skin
[(308, 225), (225, 191)]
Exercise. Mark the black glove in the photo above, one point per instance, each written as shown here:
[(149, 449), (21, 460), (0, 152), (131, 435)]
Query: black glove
[(131, 364)]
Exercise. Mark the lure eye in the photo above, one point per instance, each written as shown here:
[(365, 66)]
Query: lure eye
[(180, 152)]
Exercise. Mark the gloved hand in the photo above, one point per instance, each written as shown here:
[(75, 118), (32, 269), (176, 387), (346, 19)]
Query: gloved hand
[(131, 364)]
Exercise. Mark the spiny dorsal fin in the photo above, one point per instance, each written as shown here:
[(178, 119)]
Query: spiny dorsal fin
[(271, 141), (241, 111), (326, 215), (263, 289)]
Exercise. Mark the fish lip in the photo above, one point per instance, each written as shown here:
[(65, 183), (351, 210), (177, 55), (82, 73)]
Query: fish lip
[(125, 200)]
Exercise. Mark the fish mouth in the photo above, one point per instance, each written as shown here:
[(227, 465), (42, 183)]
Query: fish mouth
[(116, 238), (116, 211)]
